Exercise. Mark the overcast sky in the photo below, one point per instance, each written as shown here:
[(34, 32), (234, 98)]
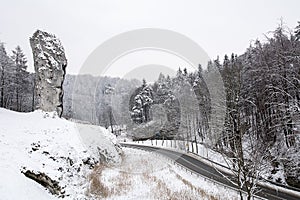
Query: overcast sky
[(219, 27)]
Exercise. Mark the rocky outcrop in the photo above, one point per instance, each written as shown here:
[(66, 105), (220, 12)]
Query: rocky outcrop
[(50, 67), (45, 181)]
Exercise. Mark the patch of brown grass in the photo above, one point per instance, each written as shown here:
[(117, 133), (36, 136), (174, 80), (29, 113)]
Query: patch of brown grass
[(123, 184), (99, 190), (96, 187), (162, 191), (199, 191)]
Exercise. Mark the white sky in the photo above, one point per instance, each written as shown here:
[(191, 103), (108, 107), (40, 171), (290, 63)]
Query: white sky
[(219, 27)]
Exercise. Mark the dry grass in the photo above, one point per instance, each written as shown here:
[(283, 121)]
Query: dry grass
[(162, 191), (96, 187), (123, 183), (200, 191), (98, 190)]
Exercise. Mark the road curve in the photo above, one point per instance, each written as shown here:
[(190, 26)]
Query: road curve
[(199, 167)]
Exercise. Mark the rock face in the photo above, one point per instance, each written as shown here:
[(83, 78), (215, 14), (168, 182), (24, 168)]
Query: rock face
[(50, 67)]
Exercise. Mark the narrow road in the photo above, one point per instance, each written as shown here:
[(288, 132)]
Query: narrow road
[(206, 170)]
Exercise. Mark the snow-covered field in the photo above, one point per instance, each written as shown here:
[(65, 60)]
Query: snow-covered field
[(145, 175), (41, 142)]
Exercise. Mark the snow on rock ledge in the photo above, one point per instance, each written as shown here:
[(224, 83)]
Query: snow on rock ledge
[(49, 64)]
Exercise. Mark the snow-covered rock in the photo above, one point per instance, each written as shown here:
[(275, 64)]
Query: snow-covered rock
[(49, 63)]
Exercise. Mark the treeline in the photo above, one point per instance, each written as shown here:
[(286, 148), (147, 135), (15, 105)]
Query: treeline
[(16, 83), (263, 105), (261, 124), (262, 93), (262, 89)]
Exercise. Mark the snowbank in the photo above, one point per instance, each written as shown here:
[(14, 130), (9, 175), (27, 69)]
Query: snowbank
[(63, 150)]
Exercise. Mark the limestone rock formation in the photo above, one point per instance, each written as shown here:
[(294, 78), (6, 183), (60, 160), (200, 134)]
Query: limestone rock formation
[(50, 67)]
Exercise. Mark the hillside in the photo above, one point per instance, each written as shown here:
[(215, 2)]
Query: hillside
[(42, 142)]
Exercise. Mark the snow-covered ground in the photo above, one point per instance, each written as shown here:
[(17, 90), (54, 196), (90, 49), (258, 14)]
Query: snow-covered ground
[(65, 151), (145, 175), (61, 149)]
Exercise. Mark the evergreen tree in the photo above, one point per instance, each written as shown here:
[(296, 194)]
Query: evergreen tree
[(21, 78), (140, 112), (3, 67), (7, 78), (185, 73), (161, 78)]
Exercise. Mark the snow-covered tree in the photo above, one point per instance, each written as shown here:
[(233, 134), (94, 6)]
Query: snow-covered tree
[(142, 104), (8, 78), (4, 64), (21, 78)]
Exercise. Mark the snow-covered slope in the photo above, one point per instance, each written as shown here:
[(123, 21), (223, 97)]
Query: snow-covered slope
[(61, 149)]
